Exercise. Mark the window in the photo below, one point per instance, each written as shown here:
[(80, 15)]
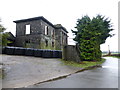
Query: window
[(52, 44), (46, 30), (52, 33), (27, 29), (62, 38), (46, 42), (27, 41), (66, 39)]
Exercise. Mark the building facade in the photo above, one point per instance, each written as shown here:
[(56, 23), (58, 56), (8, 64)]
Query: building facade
[(38, 32)]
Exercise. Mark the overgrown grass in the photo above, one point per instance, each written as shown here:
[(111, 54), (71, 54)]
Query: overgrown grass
[(116, 56), (1, 74), (83, 64), (113, 56)]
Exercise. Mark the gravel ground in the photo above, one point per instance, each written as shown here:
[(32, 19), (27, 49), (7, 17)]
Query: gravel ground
[(22, 71)]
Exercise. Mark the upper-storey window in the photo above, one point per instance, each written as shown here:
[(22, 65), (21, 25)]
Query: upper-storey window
[(46, 30), (27, 29), (52, 33)]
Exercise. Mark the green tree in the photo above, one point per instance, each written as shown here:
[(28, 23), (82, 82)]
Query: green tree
[(90, 34), (3, 36)]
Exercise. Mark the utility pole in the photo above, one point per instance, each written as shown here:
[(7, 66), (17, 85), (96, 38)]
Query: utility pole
[(109, 53)]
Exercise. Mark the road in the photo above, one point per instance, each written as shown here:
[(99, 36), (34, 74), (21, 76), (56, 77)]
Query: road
[(104, 77)]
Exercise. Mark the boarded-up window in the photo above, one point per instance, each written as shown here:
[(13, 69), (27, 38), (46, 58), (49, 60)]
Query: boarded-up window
[(27, 29)]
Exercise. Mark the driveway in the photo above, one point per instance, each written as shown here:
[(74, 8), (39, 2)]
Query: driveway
[(22, 71)]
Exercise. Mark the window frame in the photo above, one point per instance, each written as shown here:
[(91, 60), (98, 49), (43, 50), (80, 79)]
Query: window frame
[(27, 29), (46, 30), (46, 43), (53, 44)]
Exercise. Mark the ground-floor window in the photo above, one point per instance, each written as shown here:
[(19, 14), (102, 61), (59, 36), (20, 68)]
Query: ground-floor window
[(52, 44), (46, 42)]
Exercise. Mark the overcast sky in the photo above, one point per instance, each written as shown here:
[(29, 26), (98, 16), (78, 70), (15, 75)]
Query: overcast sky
[(65, 12)]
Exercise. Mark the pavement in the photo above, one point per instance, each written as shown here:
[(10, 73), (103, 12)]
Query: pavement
[(22, 71)]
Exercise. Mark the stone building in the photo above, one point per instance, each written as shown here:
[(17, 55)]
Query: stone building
[(38, 32), (11, 39)]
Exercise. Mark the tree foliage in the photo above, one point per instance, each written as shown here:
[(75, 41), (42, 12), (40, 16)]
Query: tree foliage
[(90, 34), (3, 36)]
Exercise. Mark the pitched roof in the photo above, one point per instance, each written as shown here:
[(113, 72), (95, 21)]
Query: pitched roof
[(57, 26), (11, 36), (34, 18)]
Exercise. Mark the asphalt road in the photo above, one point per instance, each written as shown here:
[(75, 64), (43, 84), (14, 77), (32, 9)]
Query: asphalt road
[(104, 77)]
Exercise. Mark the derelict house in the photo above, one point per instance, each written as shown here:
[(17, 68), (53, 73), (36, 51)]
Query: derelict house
[(38, 32)]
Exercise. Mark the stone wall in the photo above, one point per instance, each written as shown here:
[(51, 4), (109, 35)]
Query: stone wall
[(37, 37), (61, 39), (56, 38), (70, 53), (35, 27), (28, 41)]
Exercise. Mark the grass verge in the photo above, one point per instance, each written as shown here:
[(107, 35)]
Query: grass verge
[(113, 56), (1, 71), (83, 64), (1, 74)]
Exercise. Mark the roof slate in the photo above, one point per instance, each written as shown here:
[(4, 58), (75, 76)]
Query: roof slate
[(41, 18)]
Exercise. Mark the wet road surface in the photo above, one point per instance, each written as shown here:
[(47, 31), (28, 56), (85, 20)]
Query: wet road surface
[(104, 77)]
